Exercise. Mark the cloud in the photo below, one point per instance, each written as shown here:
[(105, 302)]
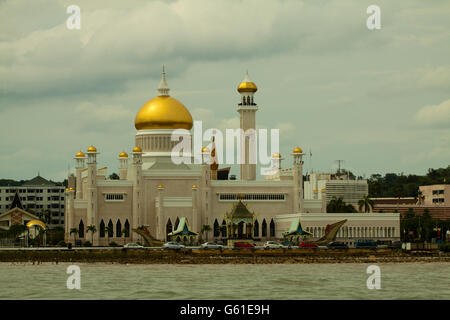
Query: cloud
[(434, 116)]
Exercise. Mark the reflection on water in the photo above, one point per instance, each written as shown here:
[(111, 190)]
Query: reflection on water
[(295, 281)]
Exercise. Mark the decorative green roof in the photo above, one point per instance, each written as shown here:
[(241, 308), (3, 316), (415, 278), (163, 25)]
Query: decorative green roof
[(240, 213)]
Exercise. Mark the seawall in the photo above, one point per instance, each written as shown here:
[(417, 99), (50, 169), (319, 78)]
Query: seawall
[(199, 256)]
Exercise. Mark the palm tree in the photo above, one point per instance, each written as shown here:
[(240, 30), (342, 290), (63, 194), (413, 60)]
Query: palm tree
[(205, 229), (367, 203), (93, 230), (339, 206), (74, 231), (108, 230), (124, 233)]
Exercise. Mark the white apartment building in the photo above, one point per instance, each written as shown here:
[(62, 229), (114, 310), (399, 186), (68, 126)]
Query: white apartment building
[(351, 190), (37, 195)]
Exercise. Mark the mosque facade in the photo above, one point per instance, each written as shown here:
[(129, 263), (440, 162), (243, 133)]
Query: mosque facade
[(155, 193)]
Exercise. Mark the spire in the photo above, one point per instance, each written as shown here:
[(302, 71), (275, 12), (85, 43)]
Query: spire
[(163, 88)]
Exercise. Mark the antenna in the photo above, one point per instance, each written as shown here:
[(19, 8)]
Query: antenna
[(339, 162)]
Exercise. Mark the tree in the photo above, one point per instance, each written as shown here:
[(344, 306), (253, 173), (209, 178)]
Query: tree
[(93, 230), (337, 205), (114, 176), (44, 216), (124, 233), (367, 203), (74, 231), (205, 229), (107, 231)]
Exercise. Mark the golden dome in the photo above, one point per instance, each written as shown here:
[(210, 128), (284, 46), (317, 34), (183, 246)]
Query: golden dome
[(276, 155), (160, 186), (79, 155), (324, 189), (298, 150), (247, 85), (315, 190), (137, 149), (205, 149), (92, 149), (194, 187), (123, 155), (163, 112)]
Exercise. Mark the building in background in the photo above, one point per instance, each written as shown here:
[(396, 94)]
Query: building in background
[(39, 197), (337, 185), (434, 199)]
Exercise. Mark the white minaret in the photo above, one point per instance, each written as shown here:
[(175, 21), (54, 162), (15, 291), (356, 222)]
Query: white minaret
[(123, 165), (137, 218), (298, 179), (79, 158), (247, 109), (92, 190)]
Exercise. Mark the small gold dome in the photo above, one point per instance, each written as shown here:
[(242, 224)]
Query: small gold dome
[(315, 190), (247, 87), (276, 155), (194, 187), (163, 112), (137, 149), (205, 149), (123, 155), (92, 149), (79, 155), (324, 189), (298, 150), (160, 186)]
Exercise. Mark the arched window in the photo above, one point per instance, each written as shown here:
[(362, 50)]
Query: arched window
[(81, 229), (216, 230), (272, 228), (264, 228), (168, 227), (127, 228), (102, 229), (256, 229), (248, 99), (118, 229), (110, 229)]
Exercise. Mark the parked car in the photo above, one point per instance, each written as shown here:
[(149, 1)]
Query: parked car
[(211, 245), (337, 245), (243, 244), (133, 246), (272, 245), (172, 245), (395, 245), (365, 244), (308, 244)]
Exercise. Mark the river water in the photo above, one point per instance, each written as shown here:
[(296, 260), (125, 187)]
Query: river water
[(269, 281)]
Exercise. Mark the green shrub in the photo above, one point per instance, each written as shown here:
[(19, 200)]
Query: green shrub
[(61, 244), (87, 244), (113, 244), (445, 247)]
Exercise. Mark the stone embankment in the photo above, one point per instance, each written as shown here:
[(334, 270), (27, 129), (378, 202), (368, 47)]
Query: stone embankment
[(243, 256)]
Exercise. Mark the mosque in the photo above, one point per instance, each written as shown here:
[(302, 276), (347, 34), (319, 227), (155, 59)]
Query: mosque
[(156, 194)]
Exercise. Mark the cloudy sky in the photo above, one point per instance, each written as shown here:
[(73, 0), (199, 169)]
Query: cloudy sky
[(377, 99)]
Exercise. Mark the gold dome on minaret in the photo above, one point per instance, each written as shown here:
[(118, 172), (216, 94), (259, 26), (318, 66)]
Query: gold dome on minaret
[(163, 111), (247, 85)]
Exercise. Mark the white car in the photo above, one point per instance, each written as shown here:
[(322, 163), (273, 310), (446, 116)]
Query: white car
[(272, 245), (172, 245), (133, 246), (211, 245)]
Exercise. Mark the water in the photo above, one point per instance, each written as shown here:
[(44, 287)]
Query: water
[(294, 281)]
